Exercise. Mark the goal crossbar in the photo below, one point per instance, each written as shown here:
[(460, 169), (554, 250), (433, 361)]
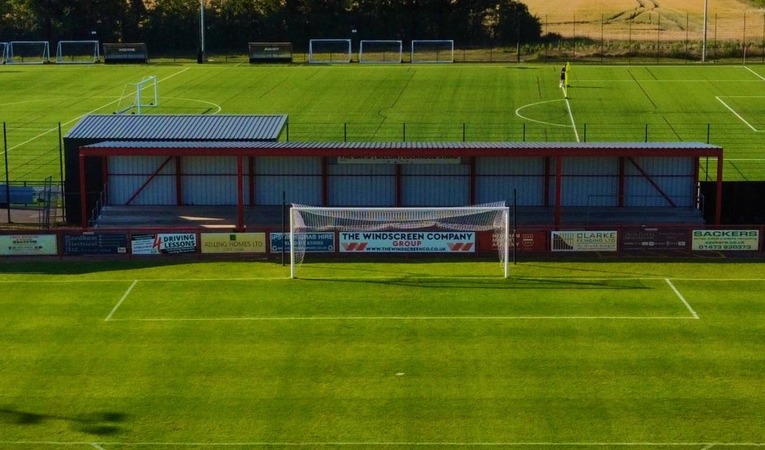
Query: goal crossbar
[(490, 217)]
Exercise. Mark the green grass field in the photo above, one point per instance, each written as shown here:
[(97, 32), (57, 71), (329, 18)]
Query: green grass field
[(562, 355), (722, 105)]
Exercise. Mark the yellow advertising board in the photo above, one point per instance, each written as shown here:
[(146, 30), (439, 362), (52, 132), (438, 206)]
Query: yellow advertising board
[(233, 242)]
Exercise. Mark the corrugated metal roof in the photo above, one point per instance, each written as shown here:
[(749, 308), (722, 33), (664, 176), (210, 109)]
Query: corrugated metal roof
[(188, 144), (165, 127)]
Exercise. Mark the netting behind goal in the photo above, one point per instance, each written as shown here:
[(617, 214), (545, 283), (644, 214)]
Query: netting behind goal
[(494, 217), (329, 51), (432, 51), (27, 52), (77, 52), (380, 52)]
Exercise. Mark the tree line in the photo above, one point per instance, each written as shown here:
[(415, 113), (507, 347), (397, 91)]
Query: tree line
[(173, 26)]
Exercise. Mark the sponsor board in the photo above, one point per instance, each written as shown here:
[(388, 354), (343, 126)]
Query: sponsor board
[(28, 244), (407, 242), (584, 241), (233, 242), (525, 241), (95, 244), (163, 243), (314, 242), (654, 238), (725, 240)]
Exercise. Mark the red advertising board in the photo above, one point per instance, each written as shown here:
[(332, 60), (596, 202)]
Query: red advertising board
[(526, 241)]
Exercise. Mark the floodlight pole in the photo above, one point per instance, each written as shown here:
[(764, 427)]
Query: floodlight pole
[(201, 55), (704, 39)]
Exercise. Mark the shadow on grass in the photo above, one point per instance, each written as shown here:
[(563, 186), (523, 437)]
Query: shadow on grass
[(97, 423)]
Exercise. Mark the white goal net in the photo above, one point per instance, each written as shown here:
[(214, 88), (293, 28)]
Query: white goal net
[(432, 51), (401, 230), (27, 52), (329, 51), (380, 52), (77, 52), (136, 97)]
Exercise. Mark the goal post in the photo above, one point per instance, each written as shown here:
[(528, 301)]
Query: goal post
[(77, 52), (136, 97), (3, 52), (27, 52), (426, 51), (381, 51), (422, 224), (329, 51)]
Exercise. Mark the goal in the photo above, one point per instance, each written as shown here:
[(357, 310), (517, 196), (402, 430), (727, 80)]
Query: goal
[(432, 51), (380, 52), (401, 230), (136, 97), (77, 52), (329, 51), (27, 52), (3, 49)]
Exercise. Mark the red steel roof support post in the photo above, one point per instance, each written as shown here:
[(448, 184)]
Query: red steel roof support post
[(83, 195), (239, 193), (719, 190), (558, 189)]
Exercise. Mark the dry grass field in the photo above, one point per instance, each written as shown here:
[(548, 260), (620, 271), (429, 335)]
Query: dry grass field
[(608, 7), (636, 20)]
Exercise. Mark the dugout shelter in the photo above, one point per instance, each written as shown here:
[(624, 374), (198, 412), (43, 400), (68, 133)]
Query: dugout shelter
[(554, 182), (163, 130)]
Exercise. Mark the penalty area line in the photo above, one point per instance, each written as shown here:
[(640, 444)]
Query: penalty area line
[(680, 296), (124, 296)]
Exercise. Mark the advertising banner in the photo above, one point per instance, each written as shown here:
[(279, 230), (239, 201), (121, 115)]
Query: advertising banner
[(525, 241), (233, 242), (95, 244), (654, 238), (584, 241), (407, 242), (163, 243), (28, 244), (314, 243), (726, 240)]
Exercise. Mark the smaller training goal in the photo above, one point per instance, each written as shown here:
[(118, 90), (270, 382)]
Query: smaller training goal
[(136, 97), (77, 52), (432, 51), (27, 52), (380, 51), (401, 230), (3, 49), (329, 51)]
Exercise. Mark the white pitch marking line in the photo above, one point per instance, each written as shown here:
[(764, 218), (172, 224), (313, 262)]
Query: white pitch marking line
[(392, 318), (573, 124), (680, 296), (755, 73), (124, 296), (96, 446), (83, 115), (703, 445), (737, 114)]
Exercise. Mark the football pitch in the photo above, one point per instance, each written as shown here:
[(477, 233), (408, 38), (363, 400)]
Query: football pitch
[(721, 105), (561, 355)]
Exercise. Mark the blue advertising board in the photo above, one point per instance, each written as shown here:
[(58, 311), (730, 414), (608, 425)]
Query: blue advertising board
[(315, 242)]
